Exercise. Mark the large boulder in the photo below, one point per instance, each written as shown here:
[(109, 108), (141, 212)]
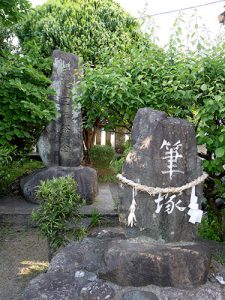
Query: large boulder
[(135, 263), (85, 177), (61, 143), (107, 265), (164, 154)]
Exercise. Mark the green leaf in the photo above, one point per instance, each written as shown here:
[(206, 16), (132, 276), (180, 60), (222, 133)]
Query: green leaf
[(203, 87), (220, 152)]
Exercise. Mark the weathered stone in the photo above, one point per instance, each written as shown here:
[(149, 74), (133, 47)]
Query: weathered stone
[(74, 272), (139, 295), (148, 164), (61, 142), (85, 255), (58, 286), (85, 177), (132, 263), (97, 291)]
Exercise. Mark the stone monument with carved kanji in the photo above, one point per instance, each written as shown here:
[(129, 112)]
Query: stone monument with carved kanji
[(61, 144)]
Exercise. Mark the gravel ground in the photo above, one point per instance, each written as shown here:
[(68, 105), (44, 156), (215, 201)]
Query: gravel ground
[(23, 255)]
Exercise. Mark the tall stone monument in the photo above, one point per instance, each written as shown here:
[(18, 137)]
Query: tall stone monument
[(164, 154), (61, 144)]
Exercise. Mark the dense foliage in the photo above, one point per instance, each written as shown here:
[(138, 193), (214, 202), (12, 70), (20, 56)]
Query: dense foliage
[(11, 11), (25, 107), (58, 216), (93, 29)]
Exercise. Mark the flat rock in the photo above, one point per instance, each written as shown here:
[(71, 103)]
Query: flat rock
[(61, 142), (74, 273), (134, 263), (85, 177), (163, 154)]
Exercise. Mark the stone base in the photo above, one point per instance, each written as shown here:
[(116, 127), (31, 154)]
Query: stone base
[(134, 262), (85, 177), (108, 265)]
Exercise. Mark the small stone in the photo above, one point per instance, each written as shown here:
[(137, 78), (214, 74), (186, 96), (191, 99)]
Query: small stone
[(79, 274), (89, 276), (220, 278), (97, 291), (139, 295)]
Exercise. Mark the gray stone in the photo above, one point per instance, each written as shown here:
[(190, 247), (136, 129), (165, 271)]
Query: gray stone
[(61, 142), (74, 272), (97, 291), (139, 295), (56, 286), (132, 263), (85, 177), (147, 164)]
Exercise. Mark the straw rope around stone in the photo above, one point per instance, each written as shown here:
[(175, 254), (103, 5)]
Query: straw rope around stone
[(157, 190)]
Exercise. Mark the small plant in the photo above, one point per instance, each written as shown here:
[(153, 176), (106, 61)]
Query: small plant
[(101, 156), (95, 218), (58, 216)]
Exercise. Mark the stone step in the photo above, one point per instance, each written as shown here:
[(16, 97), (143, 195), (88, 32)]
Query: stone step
[(14, 210)]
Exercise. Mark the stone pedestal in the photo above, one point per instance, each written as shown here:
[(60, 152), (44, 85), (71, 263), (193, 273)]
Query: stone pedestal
[(107, 265), (85, 177)]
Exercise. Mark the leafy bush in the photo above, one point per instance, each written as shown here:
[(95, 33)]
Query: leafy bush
[(14, 169), (210, 228), (25, 105), (91, 29), (101, 156), (6, 154), (58, 216)]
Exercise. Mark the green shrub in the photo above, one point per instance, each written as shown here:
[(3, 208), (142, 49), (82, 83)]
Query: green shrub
[(6, 154), (58, 216), (101, 156), (212, 227), (11, 170)]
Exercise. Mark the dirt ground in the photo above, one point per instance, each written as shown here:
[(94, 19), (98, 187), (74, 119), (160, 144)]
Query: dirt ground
[(23, 255)]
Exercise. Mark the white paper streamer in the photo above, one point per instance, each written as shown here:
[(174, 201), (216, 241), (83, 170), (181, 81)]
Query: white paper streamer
[(132, 217), (194, 212)]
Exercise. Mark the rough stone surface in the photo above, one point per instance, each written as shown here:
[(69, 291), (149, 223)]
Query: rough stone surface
[(139, 295), (146, 164), (86, 181), (74, 273), (135, 263), (97, 290), (61, 142)]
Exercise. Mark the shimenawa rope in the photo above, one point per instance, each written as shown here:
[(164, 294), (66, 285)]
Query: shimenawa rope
[(157, 190)]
